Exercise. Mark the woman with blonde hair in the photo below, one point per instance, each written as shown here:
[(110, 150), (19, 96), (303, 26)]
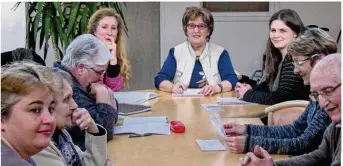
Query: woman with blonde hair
[(27, 105), (108, 27)]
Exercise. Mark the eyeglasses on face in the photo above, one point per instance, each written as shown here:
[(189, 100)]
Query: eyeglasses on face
[(98, 72), (200, 26), (314, 96), (301, 62)]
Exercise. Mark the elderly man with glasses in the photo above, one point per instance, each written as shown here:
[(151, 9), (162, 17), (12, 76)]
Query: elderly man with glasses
[(86, 60), (306, 133), (325, 81)]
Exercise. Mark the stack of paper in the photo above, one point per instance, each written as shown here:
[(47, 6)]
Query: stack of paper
[(144, 125), (134, 97), (231, 101), (189, 93), (212, 107)]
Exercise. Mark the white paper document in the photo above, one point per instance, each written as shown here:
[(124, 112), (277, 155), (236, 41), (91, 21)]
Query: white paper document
[(218, 124), (189, 93), (212, 107), (210, 145), (231, 101), (134, 97), (144, 125), (150, 128), (145, 120)]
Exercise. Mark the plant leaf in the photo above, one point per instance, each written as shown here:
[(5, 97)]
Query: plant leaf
[(37, 19), (42, 32), (47, 25), (59, 10), (84, 20), (73, 16), (61, 33)]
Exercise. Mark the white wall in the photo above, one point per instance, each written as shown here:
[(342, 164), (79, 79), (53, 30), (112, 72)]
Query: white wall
[(12, 26), (245, 37)]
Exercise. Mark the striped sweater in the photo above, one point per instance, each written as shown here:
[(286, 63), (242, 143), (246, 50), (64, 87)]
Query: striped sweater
[(291, 87), (328, 152), (304, 135)]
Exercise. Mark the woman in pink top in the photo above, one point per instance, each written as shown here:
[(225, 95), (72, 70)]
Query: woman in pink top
[(107, 25)]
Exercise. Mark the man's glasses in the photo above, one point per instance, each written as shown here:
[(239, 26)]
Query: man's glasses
[(301, 62), (200, 26), (329, 92)]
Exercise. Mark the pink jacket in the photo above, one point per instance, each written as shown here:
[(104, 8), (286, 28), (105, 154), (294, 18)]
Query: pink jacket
[(115, 84)]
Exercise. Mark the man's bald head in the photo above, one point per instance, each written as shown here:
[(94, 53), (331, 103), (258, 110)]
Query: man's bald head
[(328, 68), (325, 81)]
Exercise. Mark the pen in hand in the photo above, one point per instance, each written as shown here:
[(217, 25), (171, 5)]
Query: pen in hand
[(139, 135)]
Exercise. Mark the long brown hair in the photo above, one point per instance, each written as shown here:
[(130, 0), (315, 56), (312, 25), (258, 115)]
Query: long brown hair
[(123, 61), (273, 56)]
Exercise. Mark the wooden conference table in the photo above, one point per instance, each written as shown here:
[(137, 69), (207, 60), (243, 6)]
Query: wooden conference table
[(181, 149)]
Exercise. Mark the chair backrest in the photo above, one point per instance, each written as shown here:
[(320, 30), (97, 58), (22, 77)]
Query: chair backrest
[(286, 112)]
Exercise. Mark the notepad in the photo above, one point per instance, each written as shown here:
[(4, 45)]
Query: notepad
[(134, 97), (210, 145), (144, 125), (231, 101), (189, 93), (212, 107)]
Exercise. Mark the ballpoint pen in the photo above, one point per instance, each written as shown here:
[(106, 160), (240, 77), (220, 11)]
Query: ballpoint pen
[(139, 135)]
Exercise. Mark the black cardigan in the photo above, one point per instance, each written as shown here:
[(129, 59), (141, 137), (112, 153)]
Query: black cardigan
[(291, 87)]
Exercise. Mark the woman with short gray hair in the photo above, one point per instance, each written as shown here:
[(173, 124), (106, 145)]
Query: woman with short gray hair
[(86, 61)]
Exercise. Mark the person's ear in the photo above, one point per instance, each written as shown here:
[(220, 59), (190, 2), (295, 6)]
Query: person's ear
[(80, 69), (3, 124)]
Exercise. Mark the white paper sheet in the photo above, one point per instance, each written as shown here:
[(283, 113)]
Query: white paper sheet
[(212, 107), (189, 93), (145, 120), (144, 125), (210, 145), (231, 101), (217, 124), (151, 128)]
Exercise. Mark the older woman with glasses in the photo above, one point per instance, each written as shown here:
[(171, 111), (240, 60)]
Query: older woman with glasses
[(306, 133), (86, 60), (197, 63), (61, 150), (26, 106)]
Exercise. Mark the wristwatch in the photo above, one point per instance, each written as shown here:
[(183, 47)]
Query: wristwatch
[(221, 87)]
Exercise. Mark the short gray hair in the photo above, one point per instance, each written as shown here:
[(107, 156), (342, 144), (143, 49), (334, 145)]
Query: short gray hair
[(88, 50)]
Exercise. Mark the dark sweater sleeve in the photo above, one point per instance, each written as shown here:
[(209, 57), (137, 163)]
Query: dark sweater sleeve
[(290, 85), (321, 156), (297, 138), (168, 69), (226, 70), (113, 70), (103, 114)]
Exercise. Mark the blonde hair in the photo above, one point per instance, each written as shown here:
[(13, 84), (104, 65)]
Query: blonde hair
[(312, 41), (123, 61), (20, 78)]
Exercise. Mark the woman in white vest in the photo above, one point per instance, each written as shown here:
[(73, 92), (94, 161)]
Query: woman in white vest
[(197, 62)]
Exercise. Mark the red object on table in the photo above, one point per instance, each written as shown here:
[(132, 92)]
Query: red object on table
[(177, 126)]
